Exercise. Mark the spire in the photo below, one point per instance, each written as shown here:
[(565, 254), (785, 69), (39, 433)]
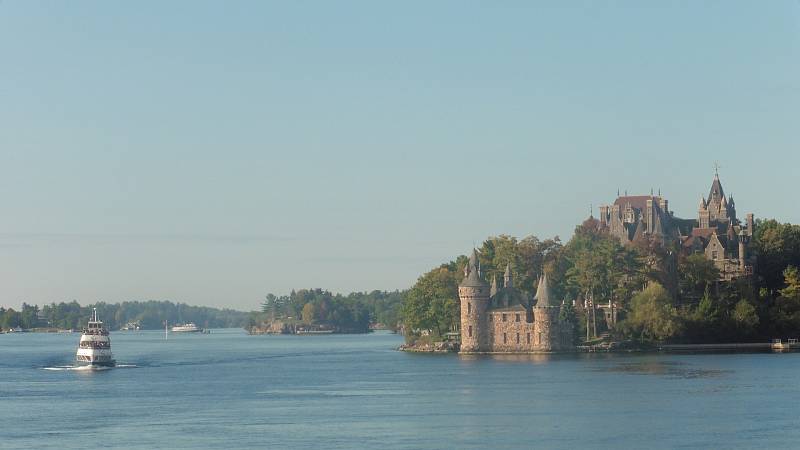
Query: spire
[(493, 290), (716, 191), (472, 276), (702, 203), (507, 281), (658, 227), (543, 295)]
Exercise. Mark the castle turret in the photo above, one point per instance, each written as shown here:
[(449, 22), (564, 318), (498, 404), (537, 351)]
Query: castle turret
[(473, 293), (508, 282), (750, 224), (742, 250), (723, 209), (604, 215), (546, 314), (704, 216)]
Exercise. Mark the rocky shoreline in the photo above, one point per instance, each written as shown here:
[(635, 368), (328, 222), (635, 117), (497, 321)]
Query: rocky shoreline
[(434, 347)]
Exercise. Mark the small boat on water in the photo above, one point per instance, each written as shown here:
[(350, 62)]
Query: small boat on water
[(94, 348), (189, 327)]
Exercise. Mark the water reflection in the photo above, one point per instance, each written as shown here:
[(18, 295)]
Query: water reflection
[(672, 369), (537, 358)]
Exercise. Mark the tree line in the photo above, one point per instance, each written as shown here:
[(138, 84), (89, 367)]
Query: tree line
[(148, 314), (352, 313)]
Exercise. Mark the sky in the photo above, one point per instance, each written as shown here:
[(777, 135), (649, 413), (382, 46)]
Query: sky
[(213, 152)]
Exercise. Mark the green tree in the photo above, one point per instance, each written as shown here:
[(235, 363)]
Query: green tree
[(309, 313), (777, 247), (791, 278), (432, 303), (745, 316), (697, 275), (652, 315)]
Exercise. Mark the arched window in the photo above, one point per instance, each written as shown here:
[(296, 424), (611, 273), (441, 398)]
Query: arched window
[(469, 308), (469, 331)]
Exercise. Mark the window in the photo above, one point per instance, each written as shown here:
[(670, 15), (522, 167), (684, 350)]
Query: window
[(516, 318), (528, 338), (469, 331), (714, 254), (539, 338), (517, 338), (504, 338), (504, 317), (469, 308)]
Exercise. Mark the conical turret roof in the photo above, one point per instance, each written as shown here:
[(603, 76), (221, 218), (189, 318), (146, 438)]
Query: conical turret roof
[(543, 295), (507, 280), (473, 276)]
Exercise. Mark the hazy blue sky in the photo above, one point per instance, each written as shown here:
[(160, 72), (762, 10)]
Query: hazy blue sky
[(211, 152)]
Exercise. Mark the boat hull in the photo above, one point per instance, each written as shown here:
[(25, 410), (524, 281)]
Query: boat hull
[(97, 364)]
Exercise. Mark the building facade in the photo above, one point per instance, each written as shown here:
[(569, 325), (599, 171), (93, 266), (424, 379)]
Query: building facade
[(717, 232), (500, 319)]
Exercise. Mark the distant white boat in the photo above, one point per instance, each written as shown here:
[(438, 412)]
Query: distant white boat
[(189, 327)]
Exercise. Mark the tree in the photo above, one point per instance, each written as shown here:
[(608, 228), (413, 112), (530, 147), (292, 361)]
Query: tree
[(697, 275), (745, 317), (309, 313), (432, 303), (652, 315), (777, 247), (791, 277)]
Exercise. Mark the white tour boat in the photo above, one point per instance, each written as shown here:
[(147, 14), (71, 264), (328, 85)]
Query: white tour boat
[(186, 328), (94, 348)]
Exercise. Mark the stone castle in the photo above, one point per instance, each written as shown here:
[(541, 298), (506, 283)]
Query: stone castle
[(717, 232), (500, 319)]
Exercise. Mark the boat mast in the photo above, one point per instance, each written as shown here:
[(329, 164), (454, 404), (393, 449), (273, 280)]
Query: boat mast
[(166, 329)]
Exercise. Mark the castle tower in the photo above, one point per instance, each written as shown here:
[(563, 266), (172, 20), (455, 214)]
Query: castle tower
[(473, 293), (508, 282), (704, 216), (664, 205), (546, 312), (723, 209), (750, 224), (716, 197), (742, 250)]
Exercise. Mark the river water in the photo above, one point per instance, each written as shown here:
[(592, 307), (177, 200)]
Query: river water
[(230, 390)]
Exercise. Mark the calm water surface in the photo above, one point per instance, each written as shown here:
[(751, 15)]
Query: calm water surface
[(230, 390)]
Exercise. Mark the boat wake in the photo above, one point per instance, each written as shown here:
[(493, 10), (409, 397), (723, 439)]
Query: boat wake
[(88, 368)]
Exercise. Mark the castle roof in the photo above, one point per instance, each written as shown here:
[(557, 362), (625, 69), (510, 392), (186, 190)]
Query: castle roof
[(716, 188), (637, 201), (543, 295), (472, 277)]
